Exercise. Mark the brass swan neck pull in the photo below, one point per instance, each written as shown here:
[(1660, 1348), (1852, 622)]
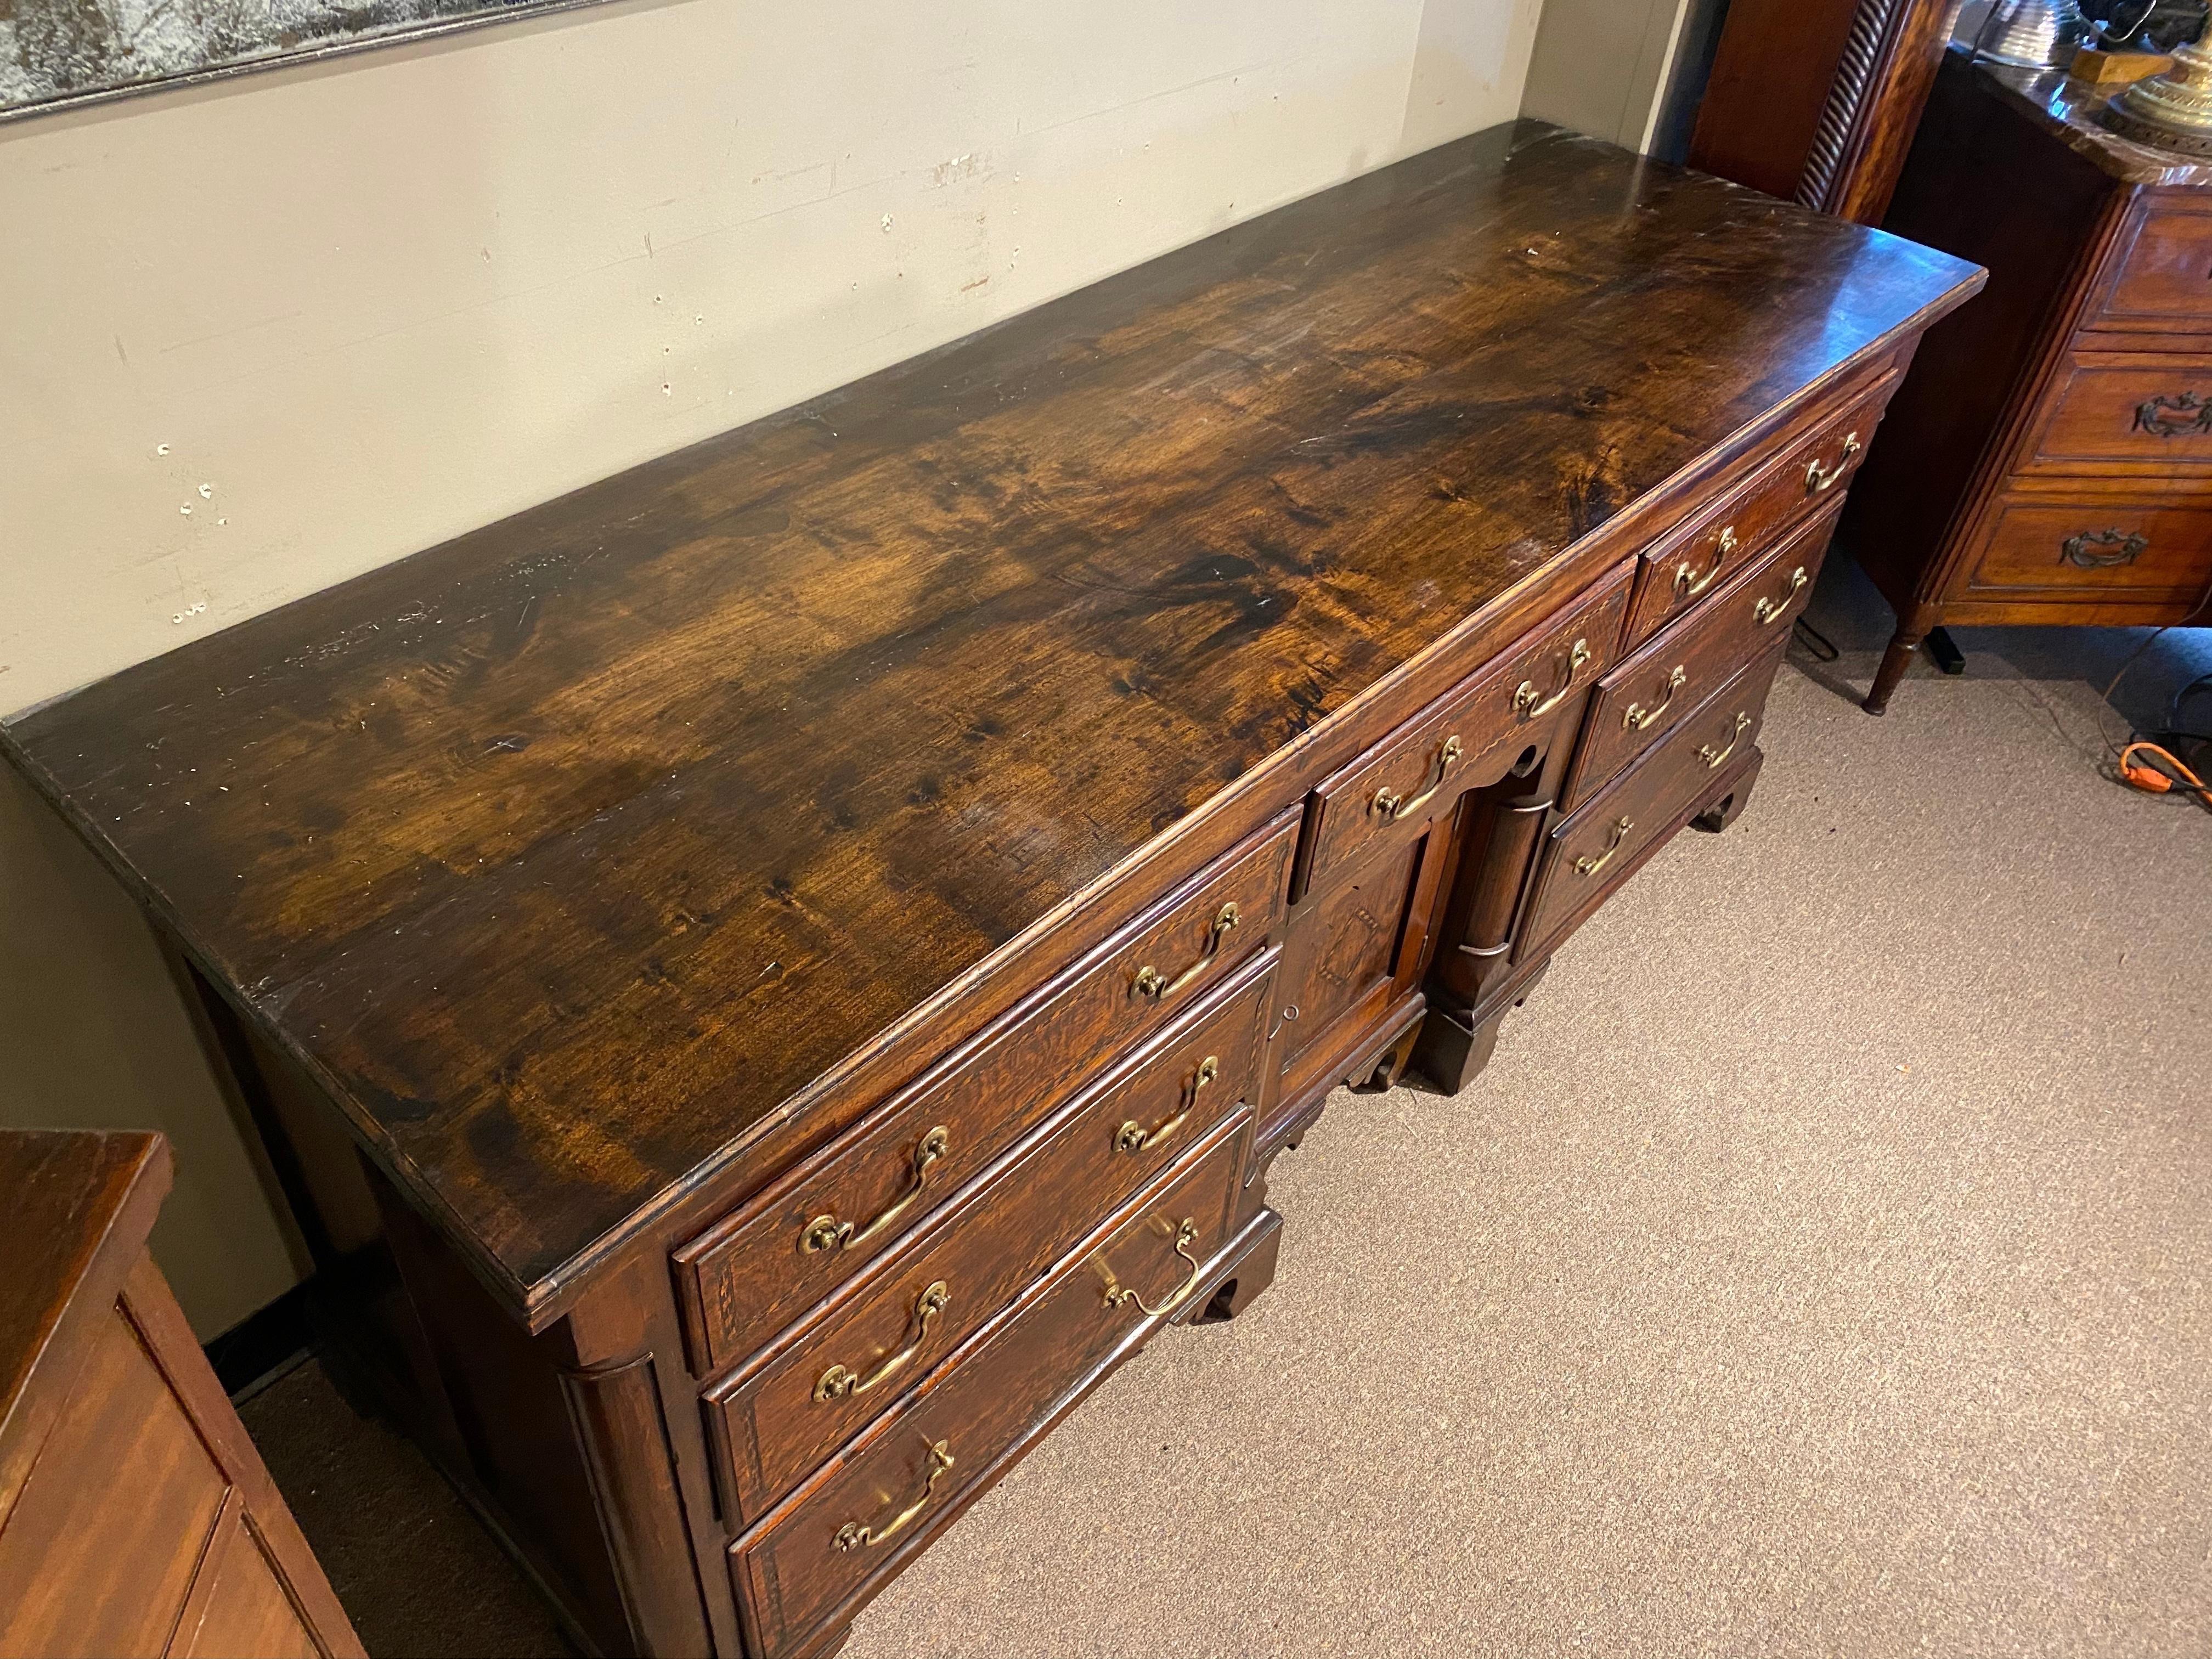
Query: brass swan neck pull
[(1528, 702), (853, 1534), (1768, 609), (1819, 479), (1639, 719), (827, 1234), (837, 1384), (1591, 863), (1713, 758), (1120, 1296), (1392, 807), (1133, 1137), (1151, 983), (1688, 586)]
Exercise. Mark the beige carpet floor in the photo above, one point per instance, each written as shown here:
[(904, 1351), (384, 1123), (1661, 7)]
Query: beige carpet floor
[(1823, 1264)]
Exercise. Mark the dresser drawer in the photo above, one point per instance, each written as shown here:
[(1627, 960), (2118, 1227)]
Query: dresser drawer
[(1639, 702), (1390, 793), (744, 1280), (2163, 283), (1678, 571), (2113, 409), (2135, 546), (1598, 848), (809, 1563), (787, 1409)]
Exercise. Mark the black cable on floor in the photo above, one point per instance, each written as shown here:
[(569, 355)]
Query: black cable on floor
[(1823, 648)]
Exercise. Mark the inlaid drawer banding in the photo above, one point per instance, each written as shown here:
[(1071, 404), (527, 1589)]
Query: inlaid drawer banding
[(747, 1277), (819, 1383)]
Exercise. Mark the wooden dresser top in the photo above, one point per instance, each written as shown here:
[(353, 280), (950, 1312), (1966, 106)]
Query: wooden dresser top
[(70, 1198), (2069, 110), (566, 851)]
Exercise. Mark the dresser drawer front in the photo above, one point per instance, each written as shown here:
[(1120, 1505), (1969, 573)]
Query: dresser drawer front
[(2164, 280), (1639, 703), (1390, 793), (781, 1414), (2042, 547), (747, 1277), (1678, 572), (1598, 848), (810, 1562), (2137, 408)]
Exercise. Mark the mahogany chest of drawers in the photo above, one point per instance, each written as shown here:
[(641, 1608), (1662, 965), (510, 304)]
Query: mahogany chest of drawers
[(2049, 457), (818, 939)]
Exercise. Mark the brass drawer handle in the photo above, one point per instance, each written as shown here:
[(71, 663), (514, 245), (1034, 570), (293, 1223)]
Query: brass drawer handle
[(837, 1383), (1639, 719), (1120, 1296), (828, 1233), (1591, 863), (1767, 610), (1133, 1137), (1687, 586), (853, 1534), (1819, 479), (1392, 807), (1528, 702), (2101, 550), (1712, 757), (1151, 983)]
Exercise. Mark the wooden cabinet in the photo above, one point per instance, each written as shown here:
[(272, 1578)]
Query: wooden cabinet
[(136, 1518), (818, 939), (2051, 457)]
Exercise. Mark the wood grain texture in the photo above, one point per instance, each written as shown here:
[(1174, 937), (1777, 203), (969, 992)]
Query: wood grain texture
[(135, 1517), (67, 1192), (1817, 100), (567, 854)]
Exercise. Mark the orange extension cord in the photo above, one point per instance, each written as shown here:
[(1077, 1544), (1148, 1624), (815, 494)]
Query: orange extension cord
[(2161, 772)]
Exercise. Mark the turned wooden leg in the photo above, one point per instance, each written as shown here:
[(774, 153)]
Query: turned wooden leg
[(1903, 646)]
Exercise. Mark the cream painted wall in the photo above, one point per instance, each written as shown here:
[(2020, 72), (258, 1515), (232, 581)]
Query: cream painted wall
[(267, 335), (1602, 66)]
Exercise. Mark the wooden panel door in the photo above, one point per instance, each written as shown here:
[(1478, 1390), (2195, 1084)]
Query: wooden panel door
[(135, 1517)]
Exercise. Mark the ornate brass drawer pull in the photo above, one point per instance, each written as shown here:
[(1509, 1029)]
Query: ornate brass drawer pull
[(828, 1233), (2101, 550), (853, 1534), (1528, 702), (837, 1383), (1591, 863), (1133, 1137), (1713, 758), (1767, 610), (1120, 1296), (1687, 586), (1819, 479), (1151, 983), (1639, 719), (1391, 806)]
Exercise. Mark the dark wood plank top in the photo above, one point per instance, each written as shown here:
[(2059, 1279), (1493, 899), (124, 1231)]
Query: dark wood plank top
[(568, 851), (63, 1193)]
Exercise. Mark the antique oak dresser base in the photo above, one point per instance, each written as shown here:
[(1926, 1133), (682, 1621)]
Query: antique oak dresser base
[(766, 980)]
